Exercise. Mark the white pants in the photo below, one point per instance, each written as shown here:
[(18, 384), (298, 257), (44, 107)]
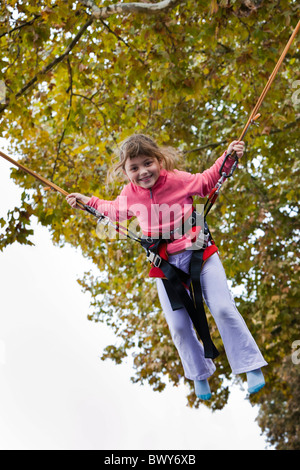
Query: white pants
[(241, 349)]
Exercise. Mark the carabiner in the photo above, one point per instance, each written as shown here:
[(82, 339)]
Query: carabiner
[(232, 155)]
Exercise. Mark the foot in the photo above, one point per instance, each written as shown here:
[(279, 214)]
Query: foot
[(202, 389), (255, 380)]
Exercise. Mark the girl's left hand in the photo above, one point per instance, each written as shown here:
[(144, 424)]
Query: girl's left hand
[(238, 147)]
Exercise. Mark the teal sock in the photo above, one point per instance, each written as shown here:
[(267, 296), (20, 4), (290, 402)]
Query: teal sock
[(202, 389), (255, 380)]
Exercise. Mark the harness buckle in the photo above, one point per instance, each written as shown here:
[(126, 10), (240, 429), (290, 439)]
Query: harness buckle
[(201, 242), (154, 259)]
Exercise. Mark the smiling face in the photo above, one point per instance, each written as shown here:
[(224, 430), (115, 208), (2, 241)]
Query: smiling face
[(143, 170)]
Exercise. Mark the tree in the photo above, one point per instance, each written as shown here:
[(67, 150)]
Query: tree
[(279, 415), (80, 78)]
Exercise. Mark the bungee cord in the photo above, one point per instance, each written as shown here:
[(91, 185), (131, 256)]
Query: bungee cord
[(253, 114)]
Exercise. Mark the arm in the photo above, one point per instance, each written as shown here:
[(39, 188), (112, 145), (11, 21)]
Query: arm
[(116, 210), (201, 184), (212, 175)]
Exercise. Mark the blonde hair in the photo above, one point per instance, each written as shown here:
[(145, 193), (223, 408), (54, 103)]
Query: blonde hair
[(140, 144)]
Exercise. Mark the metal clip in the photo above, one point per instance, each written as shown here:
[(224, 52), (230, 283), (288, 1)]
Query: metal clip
[(103, 220), (202, 241), (154, 259)]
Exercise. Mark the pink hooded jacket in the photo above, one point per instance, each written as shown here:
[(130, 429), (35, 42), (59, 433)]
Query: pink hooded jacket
[(163, 207)]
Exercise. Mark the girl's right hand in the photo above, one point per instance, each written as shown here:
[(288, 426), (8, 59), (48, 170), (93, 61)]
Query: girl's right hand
[(73, 197)]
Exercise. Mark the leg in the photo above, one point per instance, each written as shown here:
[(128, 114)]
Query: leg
[(190, 350), (241, 349)]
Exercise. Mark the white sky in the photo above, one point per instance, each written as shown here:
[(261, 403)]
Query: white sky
[(55, 392)]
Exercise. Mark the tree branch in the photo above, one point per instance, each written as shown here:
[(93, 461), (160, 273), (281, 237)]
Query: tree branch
[(287, 126), (132, 48), (97, 13), (205, 146), (52, 64), (121, 8), (27, 23), (70, 90)]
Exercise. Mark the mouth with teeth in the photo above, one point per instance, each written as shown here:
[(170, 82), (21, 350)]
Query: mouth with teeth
[(146, 179)]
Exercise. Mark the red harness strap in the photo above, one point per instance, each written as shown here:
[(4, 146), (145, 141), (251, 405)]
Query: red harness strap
[(162, 251)]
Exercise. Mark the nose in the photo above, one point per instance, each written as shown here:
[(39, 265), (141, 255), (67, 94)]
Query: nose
[(144, 172)]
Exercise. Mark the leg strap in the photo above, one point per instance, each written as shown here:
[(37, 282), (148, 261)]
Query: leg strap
[(196, 290), (179, 298)]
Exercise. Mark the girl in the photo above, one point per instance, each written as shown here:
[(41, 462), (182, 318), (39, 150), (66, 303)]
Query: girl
[(153, 183)]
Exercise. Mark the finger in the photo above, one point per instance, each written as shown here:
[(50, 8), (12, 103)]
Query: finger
[(239, 153), (72, 201), (76, 195), (238, 147)]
